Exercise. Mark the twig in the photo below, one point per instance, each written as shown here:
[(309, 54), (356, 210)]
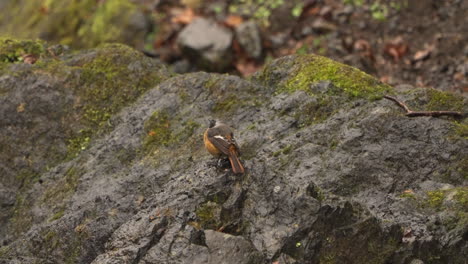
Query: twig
[(411, 113)]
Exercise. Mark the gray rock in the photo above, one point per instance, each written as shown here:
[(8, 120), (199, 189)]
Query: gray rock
[(333, 174), (227, 249), (248, 35), (207, 44)]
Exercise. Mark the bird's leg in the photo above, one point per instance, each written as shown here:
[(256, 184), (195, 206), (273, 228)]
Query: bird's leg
[(223, 163)]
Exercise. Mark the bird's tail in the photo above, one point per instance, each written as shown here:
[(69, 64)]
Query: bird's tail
[(236, 165)]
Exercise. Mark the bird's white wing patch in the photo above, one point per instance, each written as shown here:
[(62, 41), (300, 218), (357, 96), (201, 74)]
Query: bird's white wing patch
[(220, 137)]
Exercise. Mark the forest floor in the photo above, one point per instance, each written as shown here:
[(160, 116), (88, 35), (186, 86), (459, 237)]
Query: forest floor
[(421, 43)]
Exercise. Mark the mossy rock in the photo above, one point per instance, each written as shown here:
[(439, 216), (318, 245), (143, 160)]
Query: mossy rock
[(307, 70), (13, 50), (80, 24)]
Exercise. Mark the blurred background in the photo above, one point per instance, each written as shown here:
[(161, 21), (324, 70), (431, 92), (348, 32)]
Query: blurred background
[(421, 43)]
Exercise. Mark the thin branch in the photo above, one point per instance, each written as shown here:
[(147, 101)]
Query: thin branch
[(411, 113)]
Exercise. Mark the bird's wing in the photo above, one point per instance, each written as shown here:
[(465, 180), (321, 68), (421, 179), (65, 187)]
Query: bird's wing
[(221, 143)]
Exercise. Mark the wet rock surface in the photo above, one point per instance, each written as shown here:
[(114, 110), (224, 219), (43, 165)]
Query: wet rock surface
[(335, 174)]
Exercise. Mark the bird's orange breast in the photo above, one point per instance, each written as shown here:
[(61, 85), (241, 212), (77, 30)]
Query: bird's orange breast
[(209, 146)]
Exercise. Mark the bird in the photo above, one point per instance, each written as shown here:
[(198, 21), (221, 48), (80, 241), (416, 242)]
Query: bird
[(219, 141)]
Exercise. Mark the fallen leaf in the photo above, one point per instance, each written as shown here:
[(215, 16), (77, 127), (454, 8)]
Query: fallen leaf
[(185, 17), (29, 58), (385, 78), (361, 45), (247, 68), (233, 21), (409, 191), (396, 48), (423, 54), (364, 48), (458, 76), (20, 108)]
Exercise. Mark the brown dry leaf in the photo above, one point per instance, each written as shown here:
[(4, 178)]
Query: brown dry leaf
[(385, 78), (458, 76), (364, 48), (396, 48), (361, 45), (185, 17), (409, 191), (233, 21), (247, 68), (29, 58), (423, 54)]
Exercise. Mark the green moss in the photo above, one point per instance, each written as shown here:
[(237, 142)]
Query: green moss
[(462, 168), (51, 240), (251, 127), (443, 101), (435, 199), (461, 130), (315, 191), (106, 23), (57, 215), (226, 104), (105, 85), (12, 50), (347, 79), (63, 188), (407, 196), (79, 142), (159, 131), (84, 23), (4, 250), (74, 248), (461, 197), (285, 151), (328, 258), (22, 218), (207, 215)]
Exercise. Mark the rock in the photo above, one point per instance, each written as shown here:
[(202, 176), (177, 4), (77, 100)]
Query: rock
[(334, 173), (227, 249), (207, 44), (248, 35)]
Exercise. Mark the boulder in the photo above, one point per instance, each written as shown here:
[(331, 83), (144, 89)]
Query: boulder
[(334, 172), (206, 44), (248, 35)]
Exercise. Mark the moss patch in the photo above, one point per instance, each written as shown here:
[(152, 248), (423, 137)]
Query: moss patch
[(12, 50), (163, 131), (208, 215), (461, 130), (80, 24), (439, 100), (109, 80), (226, 104), (62, 188), (285, 151), (435, 199), (22, 217), (348, 80)]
